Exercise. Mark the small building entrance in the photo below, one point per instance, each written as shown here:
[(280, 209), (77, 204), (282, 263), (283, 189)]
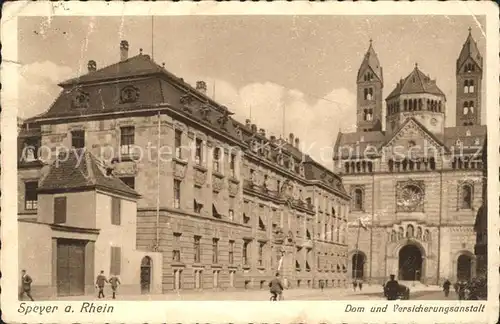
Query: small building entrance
[(410, 263), (146, 265), (70, 267)]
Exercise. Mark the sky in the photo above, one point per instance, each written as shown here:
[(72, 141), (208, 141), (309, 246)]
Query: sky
[(302, 68)]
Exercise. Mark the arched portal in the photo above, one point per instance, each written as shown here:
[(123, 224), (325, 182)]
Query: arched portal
[(410, 263), (464, 267), (146, 275), (358, 263)]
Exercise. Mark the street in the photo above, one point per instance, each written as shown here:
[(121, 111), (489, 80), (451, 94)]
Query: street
[(369, 293)]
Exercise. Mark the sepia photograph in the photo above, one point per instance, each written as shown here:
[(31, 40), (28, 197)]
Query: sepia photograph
[(260, 157)]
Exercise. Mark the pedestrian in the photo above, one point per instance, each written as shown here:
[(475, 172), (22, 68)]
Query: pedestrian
[(100, 281), (354, 285), (392, 288), (321, 285), (461, 290), (360, 284), (276, 287), (25, 285), (114, 281), (446, 288)]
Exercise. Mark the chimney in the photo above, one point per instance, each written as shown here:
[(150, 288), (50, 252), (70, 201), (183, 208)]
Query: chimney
[(297, 142), (290, 138), (123, 50), (262, 132), (254, 128), (201, 86), (247, 123), (273, 138), (91, 66)]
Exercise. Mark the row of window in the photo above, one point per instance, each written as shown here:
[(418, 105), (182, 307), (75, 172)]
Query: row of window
[(415, 105), (468, 108), (198, 278), (466, 192), (469, 86), (263, 284), (411, 165)]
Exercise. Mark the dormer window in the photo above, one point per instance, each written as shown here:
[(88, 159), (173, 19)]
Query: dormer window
[(477, 141), (458, 142), (467, 133)]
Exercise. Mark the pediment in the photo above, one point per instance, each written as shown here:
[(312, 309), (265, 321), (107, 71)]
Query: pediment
[(412, 135)]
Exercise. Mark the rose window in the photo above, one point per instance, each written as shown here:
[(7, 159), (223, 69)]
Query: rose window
[(410, 198)]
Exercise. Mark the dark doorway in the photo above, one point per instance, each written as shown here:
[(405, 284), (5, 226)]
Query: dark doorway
[(70, 271), (358, 263), (146, 271), (410, 263), (464, 263)]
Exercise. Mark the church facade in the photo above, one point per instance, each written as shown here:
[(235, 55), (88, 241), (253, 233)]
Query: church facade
[(416, 184)]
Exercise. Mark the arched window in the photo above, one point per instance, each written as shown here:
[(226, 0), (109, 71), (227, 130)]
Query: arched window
[(363, 166), (405, 164), (466, 108), (427, 235), (391, 165), (471, 107), (466, 196), (405, 105), (358, 199), (471, 86), (419, 233), (410, 108), (346, 166), (409, 231), (401, 233), (370, 167), (466, 86), (366, 94), (432, 163), (394, 236), (439, 107), (419, 104), (428, 104)]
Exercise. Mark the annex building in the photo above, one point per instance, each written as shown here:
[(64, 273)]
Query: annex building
[(212, 203), (416, 182)]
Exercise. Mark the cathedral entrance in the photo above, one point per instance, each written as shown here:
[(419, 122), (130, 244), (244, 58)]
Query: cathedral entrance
[(410, 263), (464, 265)]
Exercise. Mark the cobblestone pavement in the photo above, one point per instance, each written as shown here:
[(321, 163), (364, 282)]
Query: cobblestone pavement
[(368, 293)]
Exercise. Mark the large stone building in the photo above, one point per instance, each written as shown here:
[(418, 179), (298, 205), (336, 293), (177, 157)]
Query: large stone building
[(416, 182), (224, 204)]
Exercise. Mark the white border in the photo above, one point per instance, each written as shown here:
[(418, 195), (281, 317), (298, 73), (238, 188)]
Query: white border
[(237, 312)]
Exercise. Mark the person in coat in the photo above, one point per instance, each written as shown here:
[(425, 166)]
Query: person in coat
[(25, 285), (100, 281), (392, 288), (114, 281), (446, 287), (276, 287)]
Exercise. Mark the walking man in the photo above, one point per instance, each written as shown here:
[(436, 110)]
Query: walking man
[(446, 287), (354, 285), (321, 285), (360, 284), (101, 280), (114, 281), (25, 285)]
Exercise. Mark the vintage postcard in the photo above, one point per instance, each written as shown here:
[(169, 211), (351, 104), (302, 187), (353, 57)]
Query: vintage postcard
[(250, 162)]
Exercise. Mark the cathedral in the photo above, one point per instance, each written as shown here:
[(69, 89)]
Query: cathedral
[(415, 183)]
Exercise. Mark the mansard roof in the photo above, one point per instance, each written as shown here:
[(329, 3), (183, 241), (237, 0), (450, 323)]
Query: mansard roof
[(470, 50), (416, 82), (80, 170), (371, 61)]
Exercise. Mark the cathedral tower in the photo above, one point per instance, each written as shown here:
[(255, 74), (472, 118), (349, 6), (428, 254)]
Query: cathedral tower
[(369, 94), (469, 84)]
